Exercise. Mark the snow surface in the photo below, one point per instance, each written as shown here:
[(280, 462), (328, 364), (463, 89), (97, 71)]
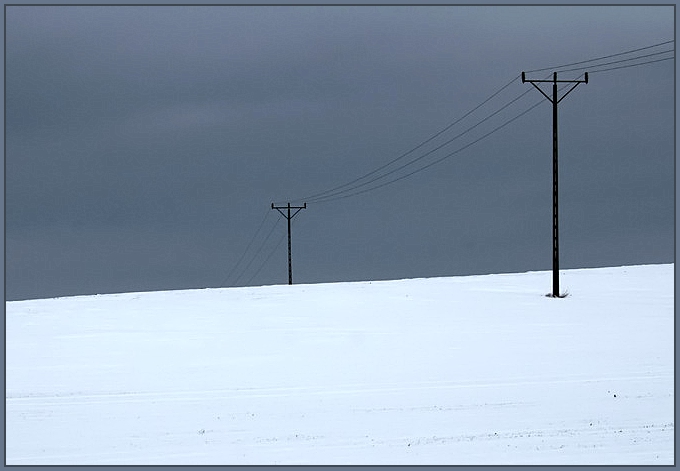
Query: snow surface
[(462, 370)]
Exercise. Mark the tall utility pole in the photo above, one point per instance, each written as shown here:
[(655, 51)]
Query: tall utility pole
[(288, 216), (555, 100)]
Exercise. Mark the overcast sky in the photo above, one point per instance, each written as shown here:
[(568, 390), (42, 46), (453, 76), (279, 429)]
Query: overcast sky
[(145, 145)]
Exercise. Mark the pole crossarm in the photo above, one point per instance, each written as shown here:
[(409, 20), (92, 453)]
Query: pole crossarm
[(289, 216), (554, 81), (555, 229), (279, 208)]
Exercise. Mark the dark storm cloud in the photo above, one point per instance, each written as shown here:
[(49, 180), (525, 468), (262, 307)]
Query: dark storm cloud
[(144, 144)]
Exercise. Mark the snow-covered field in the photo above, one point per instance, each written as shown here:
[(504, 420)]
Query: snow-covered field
[(461, 370)]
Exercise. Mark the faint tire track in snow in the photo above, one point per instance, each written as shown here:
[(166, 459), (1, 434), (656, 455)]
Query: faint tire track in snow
[(101, 458), (273, 392)]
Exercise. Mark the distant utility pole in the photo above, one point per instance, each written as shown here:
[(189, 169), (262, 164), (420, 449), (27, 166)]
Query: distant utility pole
[(288, 216), (555, 100)]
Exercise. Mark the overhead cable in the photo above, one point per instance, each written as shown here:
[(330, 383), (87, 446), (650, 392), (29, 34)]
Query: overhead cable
[(602, 57), (420, 169), (620, 61), (373, 172), (417, 159), (259, 250), (273, 251), (632, 65), (233, 269)]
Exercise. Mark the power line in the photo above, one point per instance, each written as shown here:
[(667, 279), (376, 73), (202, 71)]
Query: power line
[(417, 159), (338, 195), (283, 236), (259, 250), (441, 159), (632, 65), (602, 57), (619, 61), (233, 269), (373, 172)]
